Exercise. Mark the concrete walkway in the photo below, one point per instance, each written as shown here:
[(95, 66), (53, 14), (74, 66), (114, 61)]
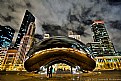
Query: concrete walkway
[(92, 76)]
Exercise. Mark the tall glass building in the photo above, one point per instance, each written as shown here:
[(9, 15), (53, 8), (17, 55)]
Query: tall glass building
[(28, 18), (6, 36), (102, 44)]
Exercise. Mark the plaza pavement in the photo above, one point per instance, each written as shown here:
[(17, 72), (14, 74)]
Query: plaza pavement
[(92, 76)]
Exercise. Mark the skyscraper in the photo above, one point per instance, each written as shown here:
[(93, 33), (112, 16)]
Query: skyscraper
[(28, 18), (102, 43), (26, 43), (6, 36)]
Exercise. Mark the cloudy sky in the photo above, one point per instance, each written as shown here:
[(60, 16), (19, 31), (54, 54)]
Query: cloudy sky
[(57, 12)]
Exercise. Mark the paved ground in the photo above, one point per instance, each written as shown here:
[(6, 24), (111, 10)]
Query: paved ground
[(93, 76)]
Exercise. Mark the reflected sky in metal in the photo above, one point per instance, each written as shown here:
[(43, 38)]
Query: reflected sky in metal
[(59, 41)]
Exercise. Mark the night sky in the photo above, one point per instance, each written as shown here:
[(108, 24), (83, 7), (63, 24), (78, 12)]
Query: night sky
[(59, 12)]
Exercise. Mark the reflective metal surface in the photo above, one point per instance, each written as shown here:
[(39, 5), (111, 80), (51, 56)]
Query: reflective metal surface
[(59, 49)]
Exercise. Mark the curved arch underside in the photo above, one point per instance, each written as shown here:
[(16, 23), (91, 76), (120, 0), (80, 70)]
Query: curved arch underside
[(70, 56)]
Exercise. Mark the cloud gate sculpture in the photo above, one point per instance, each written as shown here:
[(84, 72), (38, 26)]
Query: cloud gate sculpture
[(59, 49)]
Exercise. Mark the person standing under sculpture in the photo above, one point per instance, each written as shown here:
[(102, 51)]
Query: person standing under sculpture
[(48, 70), (50, 74)]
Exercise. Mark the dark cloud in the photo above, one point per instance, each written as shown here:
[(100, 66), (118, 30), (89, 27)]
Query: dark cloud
[(81, 31), (54, 30), (115, 24), (87, 22), (116, 42), (7, 18), (12, 8), (28, 5), (52, 27), (114, 2), (38, 36), (73, 18)]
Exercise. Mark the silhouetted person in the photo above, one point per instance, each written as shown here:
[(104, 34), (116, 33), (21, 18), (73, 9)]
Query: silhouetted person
[(50, 74), (47, 70)]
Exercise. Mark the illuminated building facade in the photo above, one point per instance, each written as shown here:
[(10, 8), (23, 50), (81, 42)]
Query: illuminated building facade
[(102, 43), (9, 60), (28, 18), (6, 36), (3, 52), (108, 63), (26, 43), (62, 66), (95, 48)]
